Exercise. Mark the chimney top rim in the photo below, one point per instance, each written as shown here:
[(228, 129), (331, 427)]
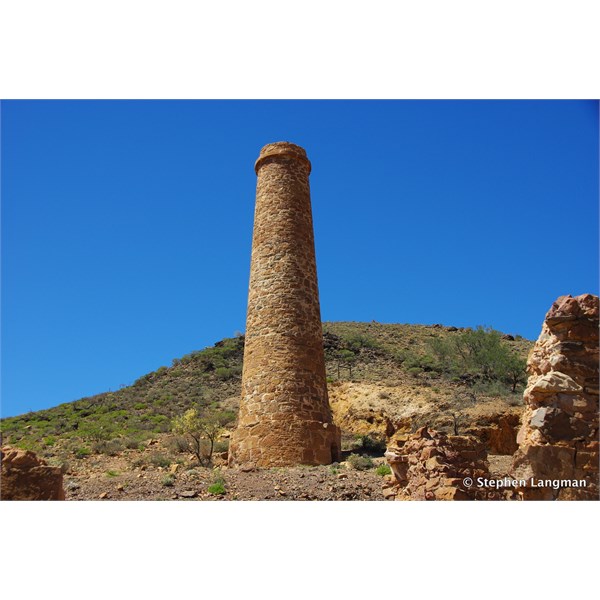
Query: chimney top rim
[(282, 149)]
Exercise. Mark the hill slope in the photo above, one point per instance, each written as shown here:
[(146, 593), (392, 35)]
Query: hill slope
[(381, 377)]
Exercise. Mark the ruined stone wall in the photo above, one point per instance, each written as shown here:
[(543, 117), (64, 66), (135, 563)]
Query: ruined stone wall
[(558, 439), (429, 465), (25, 476), (284, 417)]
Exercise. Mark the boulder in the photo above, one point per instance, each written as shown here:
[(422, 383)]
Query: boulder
[(25, 476)]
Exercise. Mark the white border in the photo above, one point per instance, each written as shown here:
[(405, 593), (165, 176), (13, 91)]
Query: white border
[(313, 49)]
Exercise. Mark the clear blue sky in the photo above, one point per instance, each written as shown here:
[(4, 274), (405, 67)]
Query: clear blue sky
[(127, 225)]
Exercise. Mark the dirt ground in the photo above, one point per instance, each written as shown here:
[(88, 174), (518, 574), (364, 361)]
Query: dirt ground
[(130, 476), (126, 477)]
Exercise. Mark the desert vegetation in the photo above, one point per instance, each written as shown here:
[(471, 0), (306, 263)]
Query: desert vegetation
[(200, 390)]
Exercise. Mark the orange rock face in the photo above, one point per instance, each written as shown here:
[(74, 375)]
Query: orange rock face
[(24, 476), (285, 418), (558, 439)]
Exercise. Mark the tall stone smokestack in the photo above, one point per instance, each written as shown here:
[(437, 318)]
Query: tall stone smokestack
[(284, 417)]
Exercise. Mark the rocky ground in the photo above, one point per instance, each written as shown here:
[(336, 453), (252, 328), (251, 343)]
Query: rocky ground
[(136, 475), (104, 481), (131, 475), (158, 471)]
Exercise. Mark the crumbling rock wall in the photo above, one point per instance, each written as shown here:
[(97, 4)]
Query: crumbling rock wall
[(558, 439), (429, 465), (498, 432), (24, 476)]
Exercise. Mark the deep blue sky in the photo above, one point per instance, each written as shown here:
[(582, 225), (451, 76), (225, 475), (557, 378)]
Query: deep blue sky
[(127, 225)]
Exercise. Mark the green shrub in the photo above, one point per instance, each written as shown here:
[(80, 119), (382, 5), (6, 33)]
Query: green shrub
[(224, 417), (112, 447), (168, 480), (131, 443), (217, 488), (383, 470), (413, 360), (159, 460), (221, 446), (480, 355), (178, 443), (372, 445), (224, 373), (161, 423), (490, 388), (82, 452), (358, 341), (360, 463)]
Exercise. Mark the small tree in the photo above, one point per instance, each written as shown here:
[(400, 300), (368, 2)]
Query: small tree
[(201, 432), (479, 354), (345, 358), (514, 369)]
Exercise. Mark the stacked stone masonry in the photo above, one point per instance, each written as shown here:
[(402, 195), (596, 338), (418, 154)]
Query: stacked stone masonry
[(429, 465), (558, 439), (25, 476), (285, 418)]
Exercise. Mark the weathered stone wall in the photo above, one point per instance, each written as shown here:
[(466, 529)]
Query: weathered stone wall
[(558, 439), (429, 465), (498, 431), (24, 476), (284, 417)]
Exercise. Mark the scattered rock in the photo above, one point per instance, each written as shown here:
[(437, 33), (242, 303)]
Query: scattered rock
[(188, 494)]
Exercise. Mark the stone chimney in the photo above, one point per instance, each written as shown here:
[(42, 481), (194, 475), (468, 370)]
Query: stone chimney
[(284, 417)]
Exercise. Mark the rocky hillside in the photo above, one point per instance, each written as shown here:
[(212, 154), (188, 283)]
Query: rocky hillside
[(382, 377)]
